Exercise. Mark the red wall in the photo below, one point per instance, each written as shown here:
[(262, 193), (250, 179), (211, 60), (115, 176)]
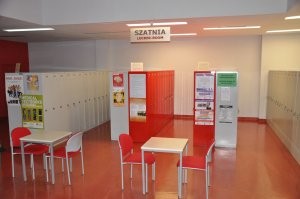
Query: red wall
[(10, 54)]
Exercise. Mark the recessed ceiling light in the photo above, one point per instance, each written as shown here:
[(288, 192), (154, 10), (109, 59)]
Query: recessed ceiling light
[(292, 17), (27, 29), (232, 28), (169, 23), (184, 34), (138, 24), (280, 31)]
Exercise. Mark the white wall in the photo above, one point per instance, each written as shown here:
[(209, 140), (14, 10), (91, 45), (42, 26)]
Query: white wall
[(279, 52), (62, 56), (182, 55)]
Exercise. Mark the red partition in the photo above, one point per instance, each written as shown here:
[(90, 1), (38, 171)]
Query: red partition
[(10, 54), (204, 107), (156, 93)]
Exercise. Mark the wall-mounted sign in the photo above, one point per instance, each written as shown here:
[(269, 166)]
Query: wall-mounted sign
[(137, 66), (118, 89), (227, 79), (32, 111), (152, 34), (14, 88)]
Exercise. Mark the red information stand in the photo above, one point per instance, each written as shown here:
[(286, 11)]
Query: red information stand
[(151, 102), (204, 107)]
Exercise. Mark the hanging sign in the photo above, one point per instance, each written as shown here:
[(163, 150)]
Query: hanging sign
[(153, 34)]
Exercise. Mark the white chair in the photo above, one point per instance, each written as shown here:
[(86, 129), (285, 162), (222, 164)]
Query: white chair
[(72, 148), (198, 163)]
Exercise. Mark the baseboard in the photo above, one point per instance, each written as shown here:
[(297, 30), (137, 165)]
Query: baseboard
[(240, 119), (252, 119), (184, 117)]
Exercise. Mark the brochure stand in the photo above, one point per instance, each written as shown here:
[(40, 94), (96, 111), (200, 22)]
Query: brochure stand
[(204, 107), (151, 102)]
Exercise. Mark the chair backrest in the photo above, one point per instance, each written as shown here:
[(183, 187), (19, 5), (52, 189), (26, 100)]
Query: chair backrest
[(74, 143), (17, 133), (125, 143), (209, 151)]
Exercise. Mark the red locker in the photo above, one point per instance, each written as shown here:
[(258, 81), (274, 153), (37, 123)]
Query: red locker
[(151, 102)]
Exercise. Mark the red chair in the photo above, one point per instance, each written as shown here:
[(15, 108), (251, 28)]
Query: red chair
[(198, 163), (29, 149), (127, 156), (72, 148)]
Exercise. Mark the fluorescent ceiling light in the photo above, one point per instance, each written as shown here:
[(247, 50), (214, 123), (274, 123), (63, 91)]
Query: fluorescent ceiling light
[(280, 31), (232, 28), (138, 24), (184, 34), (292, 17), (27, 29), (169, 23)]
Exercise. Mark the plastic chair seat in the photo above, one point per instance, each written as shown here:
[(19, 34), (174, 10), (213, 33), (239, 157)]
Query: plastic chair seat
[(35, 149), (137, 158), (61, 153), (193, 162)]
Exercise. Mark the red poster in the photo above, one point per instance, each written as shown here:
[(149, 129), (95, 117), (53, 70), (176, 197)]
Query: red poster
[(118, 80)]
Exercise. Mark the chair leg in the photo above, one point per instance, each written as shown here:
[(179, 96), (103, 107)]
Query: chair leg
[(206, 183), (68, 170), (131, 170), (12, 165), (33, 173), (185, 172), (82, 164), (122, 176), (153, 171), (62, 165), (46, 168)]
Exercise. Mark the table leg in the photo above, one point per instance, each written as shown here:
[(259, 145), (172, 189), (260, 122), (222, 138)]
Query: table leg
[(52, 163), (143, 172), (23, 161), (180, 176)]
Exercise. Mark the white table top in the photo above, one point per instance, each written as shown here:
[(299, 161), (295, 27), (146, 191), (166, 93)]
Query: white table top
[(163, 144), (47, 137)]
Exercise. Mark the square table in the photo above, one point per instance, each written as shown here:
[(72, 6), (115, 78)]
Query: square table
[(166, 145), (50, 138)]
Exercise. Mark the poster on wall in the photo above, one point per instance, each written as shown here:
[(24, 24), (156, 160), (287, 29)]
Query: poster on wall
[(204, 86), (33, 83), (204, 98), (204, 112), (13, 88), (137, 110), (226, 114), (118, 89), (137, 97), (32, 111)]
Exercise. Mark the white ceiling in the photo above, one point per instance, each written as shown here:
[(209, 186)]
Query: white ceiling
[(119, 30)]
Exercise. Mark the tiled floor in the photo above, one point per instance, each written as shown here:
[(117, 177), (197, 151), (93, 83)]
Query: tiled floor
[(260, 168)]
